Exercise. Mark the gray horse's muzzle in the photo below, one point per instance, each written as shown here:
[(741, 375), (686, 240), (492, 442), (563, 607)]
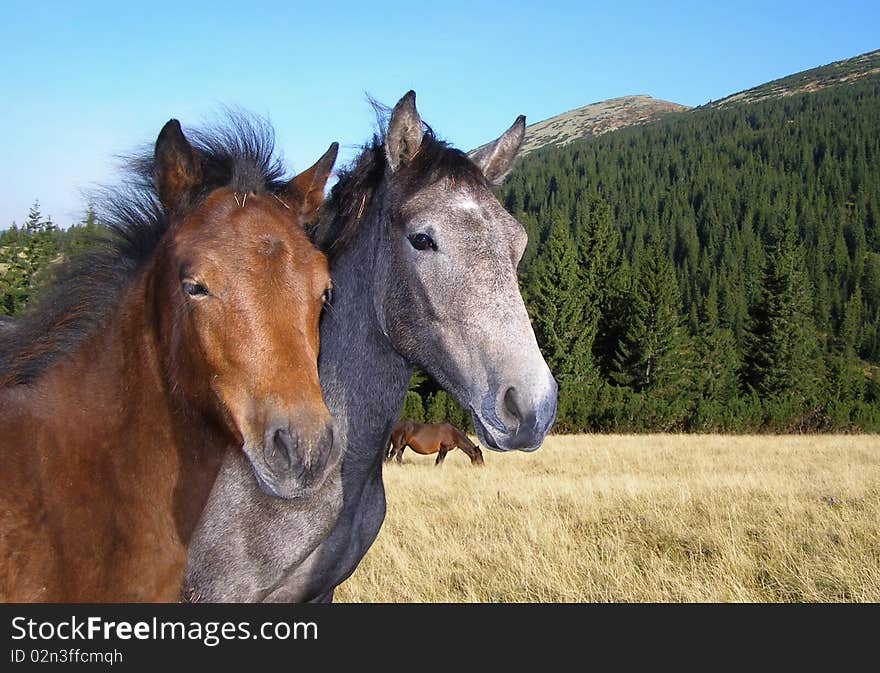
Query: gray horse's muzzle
[(522, 425)]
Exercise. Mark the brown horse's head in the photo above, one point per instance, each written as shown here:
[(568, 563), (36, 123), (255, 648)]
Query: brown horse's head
[(477, 458), (239, 291)]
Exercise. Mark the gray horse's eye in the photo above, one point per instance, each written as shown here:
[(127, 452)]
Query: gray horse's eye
[(422, 242)]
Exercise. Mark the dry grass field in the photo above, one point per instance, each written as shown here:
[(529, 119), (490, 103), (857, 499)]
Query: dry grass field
[(658, 518)]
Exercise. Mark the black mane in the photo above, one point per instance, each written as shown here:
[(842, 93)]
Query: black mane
[(353, 194), (85, 289)]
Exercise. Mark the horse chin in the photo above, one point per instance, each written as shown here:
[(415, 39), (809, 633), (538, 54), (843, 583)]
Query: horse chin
[(483, 435), (292, 484), (267, 487), (503, 443)]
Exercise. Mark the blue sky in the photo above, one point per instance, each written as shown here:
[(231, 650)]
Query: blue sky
[(84, 81)]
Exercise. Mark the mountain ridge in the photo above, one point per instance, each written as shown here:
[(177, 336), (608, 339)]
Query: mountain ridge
[(595, 119), (807, 81), (613, 114)]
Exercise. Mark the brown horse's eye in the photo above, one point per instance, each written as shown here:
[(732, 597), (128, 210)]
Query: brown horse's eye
[(328, 296), (195, 290), (422, 242)]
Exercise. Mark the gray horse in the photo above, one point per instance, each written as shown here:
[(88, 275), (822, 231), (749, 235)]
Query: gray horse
[(423, 260)]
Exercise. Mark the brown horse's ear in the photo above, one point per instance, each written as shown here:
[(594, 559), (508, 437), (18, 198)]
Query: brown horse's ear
[(404, 135), (176, 167), (496, 158), (307, 188)]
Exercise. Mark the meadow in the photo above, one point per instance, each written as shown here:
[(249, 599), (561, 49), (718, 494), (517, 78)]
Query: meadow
[(633, 518)]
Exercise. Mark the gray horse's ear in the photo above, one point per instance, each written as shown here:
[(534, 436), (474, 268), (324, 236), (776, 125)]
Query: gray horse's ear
[(496, 158), (404, 135), (176, 167)]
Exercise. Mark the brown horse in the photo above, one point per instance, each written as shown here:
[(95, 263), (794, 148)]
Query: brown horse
[(428, 438), (192, 329)]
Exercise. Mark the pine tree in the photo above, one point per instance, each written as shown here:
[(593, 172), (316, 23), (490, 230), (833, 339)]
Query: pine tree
[(598, 257), (716, 369), (648, 356), (781, 356), (436, 407), (558, 304), (412, 408), (846, 376), (34, 222), (613, 319)]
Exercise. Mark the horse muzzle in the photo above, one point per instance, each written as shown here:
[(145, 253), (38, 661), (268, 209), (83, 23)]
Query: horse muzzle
[(523, 422), (291, 461)]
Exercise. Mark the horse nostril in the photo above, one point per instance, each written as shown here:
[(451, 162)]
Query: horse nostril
[(283, 446), (511, 403)]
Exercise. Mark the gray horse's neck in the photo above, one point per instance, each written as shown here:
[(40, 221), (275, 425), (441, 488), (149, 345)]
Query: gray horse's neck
[(363, 378)]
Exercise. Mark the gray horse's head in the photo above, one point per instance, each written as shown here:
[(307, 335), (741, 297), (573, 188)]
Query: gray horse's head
[(451, 302)]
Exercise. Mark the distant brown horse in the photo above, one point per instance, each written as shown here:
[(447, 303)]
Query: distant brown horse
[(428, 438), (191, 330)]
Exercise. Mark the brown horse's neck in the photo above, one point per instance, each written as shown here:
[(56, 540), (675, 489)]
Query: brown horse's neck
[(151, 445), (464, 442)]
